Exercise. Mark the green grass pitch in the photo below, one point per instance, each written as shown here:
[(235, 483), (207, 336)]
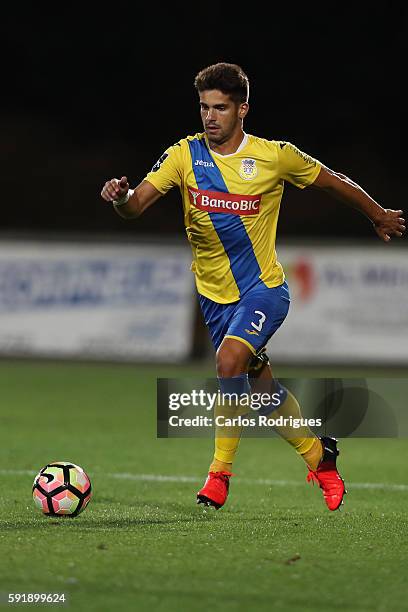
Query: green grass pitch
[(143, 544)]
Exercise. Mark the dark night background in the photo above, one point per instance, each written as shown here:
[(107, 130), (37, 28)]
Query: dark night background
[(92, 95)]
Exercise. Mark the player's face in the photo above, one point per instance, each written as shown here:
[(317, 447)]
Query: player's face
[(221, 116)]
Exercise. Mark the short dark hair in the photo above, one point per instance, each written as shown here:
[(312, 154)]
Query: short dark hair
[(228, 78)]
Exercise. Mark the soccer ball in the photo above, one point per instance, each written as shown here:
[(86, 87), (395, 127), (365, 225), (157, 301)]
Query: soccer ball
[(61, 488)]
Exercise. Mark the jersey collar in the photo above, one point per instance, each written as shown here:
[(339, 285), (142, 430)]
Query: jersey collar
[(243, 144)]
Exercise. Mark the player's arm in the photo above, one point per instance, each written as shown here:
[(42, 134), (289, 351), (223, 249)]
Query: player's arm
[(129, 203), (165, 174), (387, 222)]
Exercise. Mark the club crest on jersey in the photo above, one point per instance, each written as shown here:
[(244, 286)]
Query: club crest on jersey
[(248, 169)]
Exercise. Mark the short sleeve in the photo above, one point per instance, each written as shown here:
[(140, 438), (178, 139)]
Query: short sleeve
[(295, 166), (167, 171)]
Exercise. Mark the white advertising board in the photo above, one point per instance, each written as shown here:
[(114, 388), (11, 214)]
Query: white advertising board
[(349, 305), (96, 301)]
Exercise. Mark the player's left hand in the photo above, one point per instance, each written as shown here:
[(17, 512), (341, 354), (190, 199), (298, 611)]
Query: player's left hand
[(390, 223)]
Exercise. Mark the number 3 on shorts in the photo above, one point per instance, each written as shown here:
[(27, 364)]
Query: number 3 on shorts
[(258, 326)]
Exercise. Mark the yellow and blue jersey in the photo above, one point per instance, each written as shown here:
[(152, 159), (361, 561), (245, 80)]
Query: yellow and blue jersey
[(231, 207)]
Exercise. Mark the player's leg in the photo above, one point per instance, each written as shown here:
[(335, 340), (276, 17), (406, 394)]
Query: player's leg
[(302, 439), (320, 454), (233, 357)]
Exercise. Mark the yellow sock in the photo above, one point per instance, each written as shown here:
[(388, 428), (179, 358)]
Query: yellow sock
[(227, 438), (310, 449), (220, 466), (306, 443)]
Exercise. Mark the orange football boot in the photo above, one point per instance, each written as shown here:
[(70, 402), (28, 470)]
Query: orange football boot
[(327, 476), (215, 490)]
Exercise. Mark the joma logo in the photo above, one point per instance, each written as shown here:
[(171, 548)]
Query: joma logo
[(200, 162)]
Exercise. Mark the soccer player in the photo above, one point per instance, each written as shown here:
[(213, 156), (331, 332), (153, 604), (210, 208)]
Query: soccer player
[(231, 185)]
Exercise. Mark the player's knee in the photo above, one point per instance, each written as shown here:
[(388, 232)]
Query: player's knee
[(230, 362)]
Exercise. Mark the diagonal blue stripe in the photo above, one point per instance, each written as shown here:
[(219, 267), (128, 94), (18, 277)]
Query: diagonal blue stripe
[(230, 228)]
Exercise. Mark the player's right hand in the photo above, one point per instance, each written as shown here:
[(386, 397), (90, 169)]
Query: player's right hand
[(115, 189)]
